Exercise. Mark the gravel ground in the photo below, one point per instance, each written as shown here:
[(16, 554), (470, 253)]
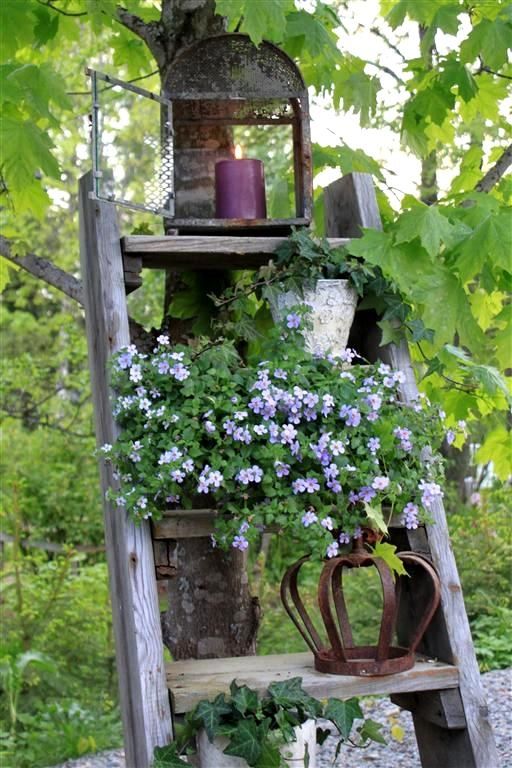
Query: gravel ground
[(498, 688)]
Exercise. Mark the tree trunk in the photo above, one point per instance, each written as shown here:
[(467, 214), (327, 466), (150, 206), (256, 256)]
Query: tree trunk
[(211, 612)]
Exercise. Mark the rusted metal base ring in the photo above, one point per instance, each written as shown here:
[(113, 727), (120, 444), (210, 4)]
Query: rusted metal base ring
[(361, 661)]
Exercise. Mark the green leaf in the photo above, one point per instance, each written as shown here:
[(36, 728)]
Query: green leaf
[(496, 449), (347, 160), (371, 730), (186, 304), (244, 699), (387, 553), (490, 39), (428, 224), (270, 756), (168, 757), (246, 741), (374, 514), (265, 19), (491, 240), (456, 73), (343, 714), (210, 713)]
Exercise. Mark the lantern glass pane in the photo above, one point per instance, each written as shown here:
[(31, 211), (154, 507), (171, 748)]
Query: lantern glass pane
[(133, 158)]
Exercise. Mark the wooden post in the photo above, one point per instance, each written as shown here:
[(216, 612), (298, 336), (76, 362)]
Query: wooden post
[(139, 651), (351, 204)]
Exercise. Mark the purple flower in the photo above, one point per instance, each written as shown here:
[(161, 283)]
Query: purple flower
[(308, 518), (409, 516), (334, 486), (293, 320), (299, 485), (430, 492), (125, 360), (353, 418), (327, 523), (333, 549), (312, 484), (177, 475), (240, 542), (288, 433), (163, 366), (450, 436), (331, 472), (374, 401), (135, 373), (373, 445), (282, 470), (337, 447), (344, 538), (244, 527), (229, 426), (280, 374), (210, 427), (179, 372), (172, 455), (380, 483), (347, 355), (366, 494)]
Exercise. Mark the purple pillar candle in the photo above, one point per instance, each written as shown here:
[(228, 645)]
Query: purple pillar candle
[(240, 189)]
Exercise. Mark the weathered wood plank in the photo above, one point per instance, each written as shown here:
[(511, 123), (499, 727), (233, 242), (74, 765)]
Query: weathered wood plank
[(212, 252), (351, 204), (197, 523), (139, 650), (452, 608), (442, 708), (191, 681)]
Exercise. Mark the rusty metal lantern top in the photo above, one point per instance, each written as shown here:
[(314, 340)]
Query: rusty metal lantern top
[(215, 85), (338, 654)]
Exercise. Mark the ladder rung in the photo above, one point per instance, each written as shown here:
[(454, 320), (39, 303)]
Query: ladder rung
[(196, 679)]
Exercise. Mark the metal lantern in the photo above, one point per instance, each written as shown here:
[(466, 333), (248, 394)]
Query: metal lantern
[(216, 87), (220, 91)]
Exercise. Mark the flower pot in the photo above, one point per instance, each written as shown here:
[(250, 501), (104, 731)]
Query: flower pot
[(212, 755), (333, 305)]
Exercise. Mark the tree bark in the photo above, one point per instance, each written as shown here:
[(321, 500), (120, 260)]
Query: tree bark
[(211, 612)]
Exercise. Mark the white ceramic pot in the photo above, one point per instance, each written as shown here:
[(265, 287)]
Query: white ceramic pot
[(212, 755), (333, 305)]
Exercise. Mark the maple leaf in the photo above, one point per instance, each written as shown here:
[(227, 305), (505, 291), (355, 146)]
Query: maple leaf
[(428, 224)]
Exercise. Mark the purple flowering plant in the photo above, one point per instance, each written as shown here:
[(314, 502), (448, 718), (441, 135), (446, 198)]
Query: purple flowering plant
[(315, 447)]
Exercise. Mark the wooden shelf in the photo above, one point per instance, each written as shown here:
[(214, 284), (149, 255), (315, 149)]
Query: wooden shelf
[(196, 679), (207, 252)]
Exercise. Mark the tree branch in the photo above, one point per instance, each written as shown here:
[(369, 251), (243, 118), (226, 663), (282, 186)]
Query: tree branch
[(378, 33), (53, 7), (44, 270), (63, 281), (492, 72), (387, 70), (495, 173), (150, 32)]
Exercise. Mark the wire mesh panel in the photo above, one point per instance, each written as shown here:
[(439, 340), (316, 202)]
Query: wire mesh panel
[(132, 146)]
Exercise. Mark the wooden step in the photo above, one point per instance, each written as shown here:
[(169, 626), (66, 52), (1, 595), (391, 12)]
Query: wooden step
[(196, 252), (192, 680)]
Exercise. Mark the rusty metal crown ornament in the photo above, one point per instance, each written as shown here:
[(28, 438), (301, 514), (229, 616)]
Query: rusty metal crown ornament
[(339, 655)]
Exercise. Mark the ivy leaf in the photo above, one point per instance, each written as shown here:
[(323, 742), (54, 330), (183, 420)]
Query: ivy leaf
[(243, 698), (387, 553), (210, 712), (270, 756), (343, 714), (427, 223), (168, 757), (246, 741)]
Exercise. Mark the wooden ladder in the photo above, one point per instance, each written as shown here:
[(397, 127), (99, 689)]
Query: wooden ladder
[(443, 690)]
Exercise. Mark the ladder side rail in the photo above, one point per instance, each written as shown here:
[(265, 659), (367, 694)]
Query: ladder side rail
[(351, 204), (144, 697)]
